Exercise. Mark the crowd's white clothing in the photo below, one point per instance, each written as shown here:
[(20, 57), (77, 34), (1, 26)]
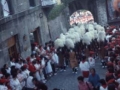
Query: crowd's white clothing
[(43, 62), (48, 68), (3, 87), (29, 83), (55, 58), (102, 88), (18, 65), (84, 66), (32, 59), (12, 63), (15, 84), (37, 74), (26, 73), (8, 70), (21, 79), (91, 61)]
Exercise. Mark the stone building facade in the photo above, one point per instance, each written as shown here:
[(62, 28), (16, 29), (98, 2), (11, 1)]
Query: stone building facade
[(26, 24)]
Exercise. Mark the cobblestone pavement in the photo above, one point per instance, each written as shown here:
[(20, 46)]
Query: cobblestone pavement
[(68, 81)]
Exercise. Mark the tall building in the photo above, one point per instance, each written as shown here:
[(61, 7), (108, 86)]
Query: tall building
[(22, 22)]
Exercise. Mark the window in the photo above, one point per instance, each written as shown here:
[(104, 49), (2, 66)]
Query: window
[(32, 3), (10, 5)]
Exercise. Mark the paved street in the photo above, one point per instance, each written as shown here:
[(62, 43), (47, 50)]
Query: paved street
[(68, 81)]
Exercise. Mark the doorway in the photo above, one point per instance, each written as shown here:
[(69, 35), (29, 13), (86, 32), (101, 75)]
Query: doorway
[(35, 37), (13, 46)]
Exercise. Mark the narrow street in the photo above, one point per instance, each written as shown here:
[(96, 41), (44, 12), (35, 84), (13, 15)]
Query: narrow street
[(68, 81)]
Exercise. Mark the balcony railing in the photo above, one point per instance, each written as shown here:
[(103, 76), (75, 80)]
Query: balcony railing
[(48, 2)]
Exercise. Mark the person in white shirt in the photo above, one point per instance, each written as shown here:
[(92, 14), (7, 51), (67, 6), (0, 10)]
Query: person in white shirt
[(32, 58), (103, 85), (12, 62), (29, 83), (84, 67), (2, 84), (18, 64), (14, 82), (91, 61), (21, 77), (37, 74)]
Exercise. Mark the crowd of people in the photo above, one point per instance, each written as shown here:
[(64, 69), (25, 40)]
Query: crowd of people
[(109, 55), (33, 72)]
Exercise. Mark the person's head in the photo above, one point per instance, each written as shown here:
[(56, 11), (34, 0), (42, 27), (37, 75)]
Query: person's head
[(14, 75), (80, 79), (102, 82), (111, 87), (92, 70), (84, 57), (32, 74), (5, 66)]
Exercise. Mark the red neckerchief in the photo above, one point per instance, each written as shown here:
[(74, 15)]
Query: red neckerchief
[(110, 81), (104, 86), (83, 61)]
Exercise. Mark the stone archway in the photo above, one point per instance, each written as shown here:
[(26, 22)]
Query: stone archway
[(91, 5), (74, 6)]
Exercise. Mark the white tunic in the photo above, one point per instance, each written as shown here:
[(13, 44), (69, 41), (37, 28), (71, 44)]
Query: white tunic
[(3, 87), (55, 58), (21, 78), (37, 74), (17, 65), (101, 88), (29, 82), (48, 68), (84, 66), (91, 61), (15, 84), (12, 63)]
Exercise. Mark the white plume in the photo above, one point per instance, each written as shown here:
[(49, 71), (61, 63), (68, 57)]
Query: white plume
[(86, 39), (69, 43), (59, 43), (101, 35)]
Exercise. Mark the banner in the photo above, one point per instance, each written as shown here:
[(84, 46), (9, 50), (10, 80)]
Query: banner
[(81, 16)]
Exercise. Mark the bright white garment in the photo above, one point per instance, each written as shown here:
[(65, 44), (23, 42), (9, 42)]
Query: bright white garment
[(8, 70), (101, 88), (15, 84), (12, 63), (21, 78), (18, 65), (29, 82), (32, 59), (108, 37), (84, 66), (42, 52), (26, 73), (3, 87), (37, 74), (43, 62), (91, 61), (48, 68), (55, 58)]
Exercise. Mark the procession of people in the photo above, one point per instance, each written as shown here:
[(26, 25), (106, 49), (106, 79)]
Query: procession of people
[(78, 52)]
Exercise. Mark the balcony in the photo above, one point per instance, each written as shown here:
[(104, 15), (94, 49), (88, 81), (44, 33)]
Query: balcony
[(46, 3)]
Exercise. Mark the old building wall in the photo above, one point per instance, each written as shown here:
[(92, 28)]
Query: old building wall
[(59, 24), (22, 24), (101, 12)]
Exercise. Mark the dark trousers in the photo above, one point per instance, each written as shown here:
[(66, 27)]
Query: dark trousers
[(44, 72), (53, 67), (74, 70)]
